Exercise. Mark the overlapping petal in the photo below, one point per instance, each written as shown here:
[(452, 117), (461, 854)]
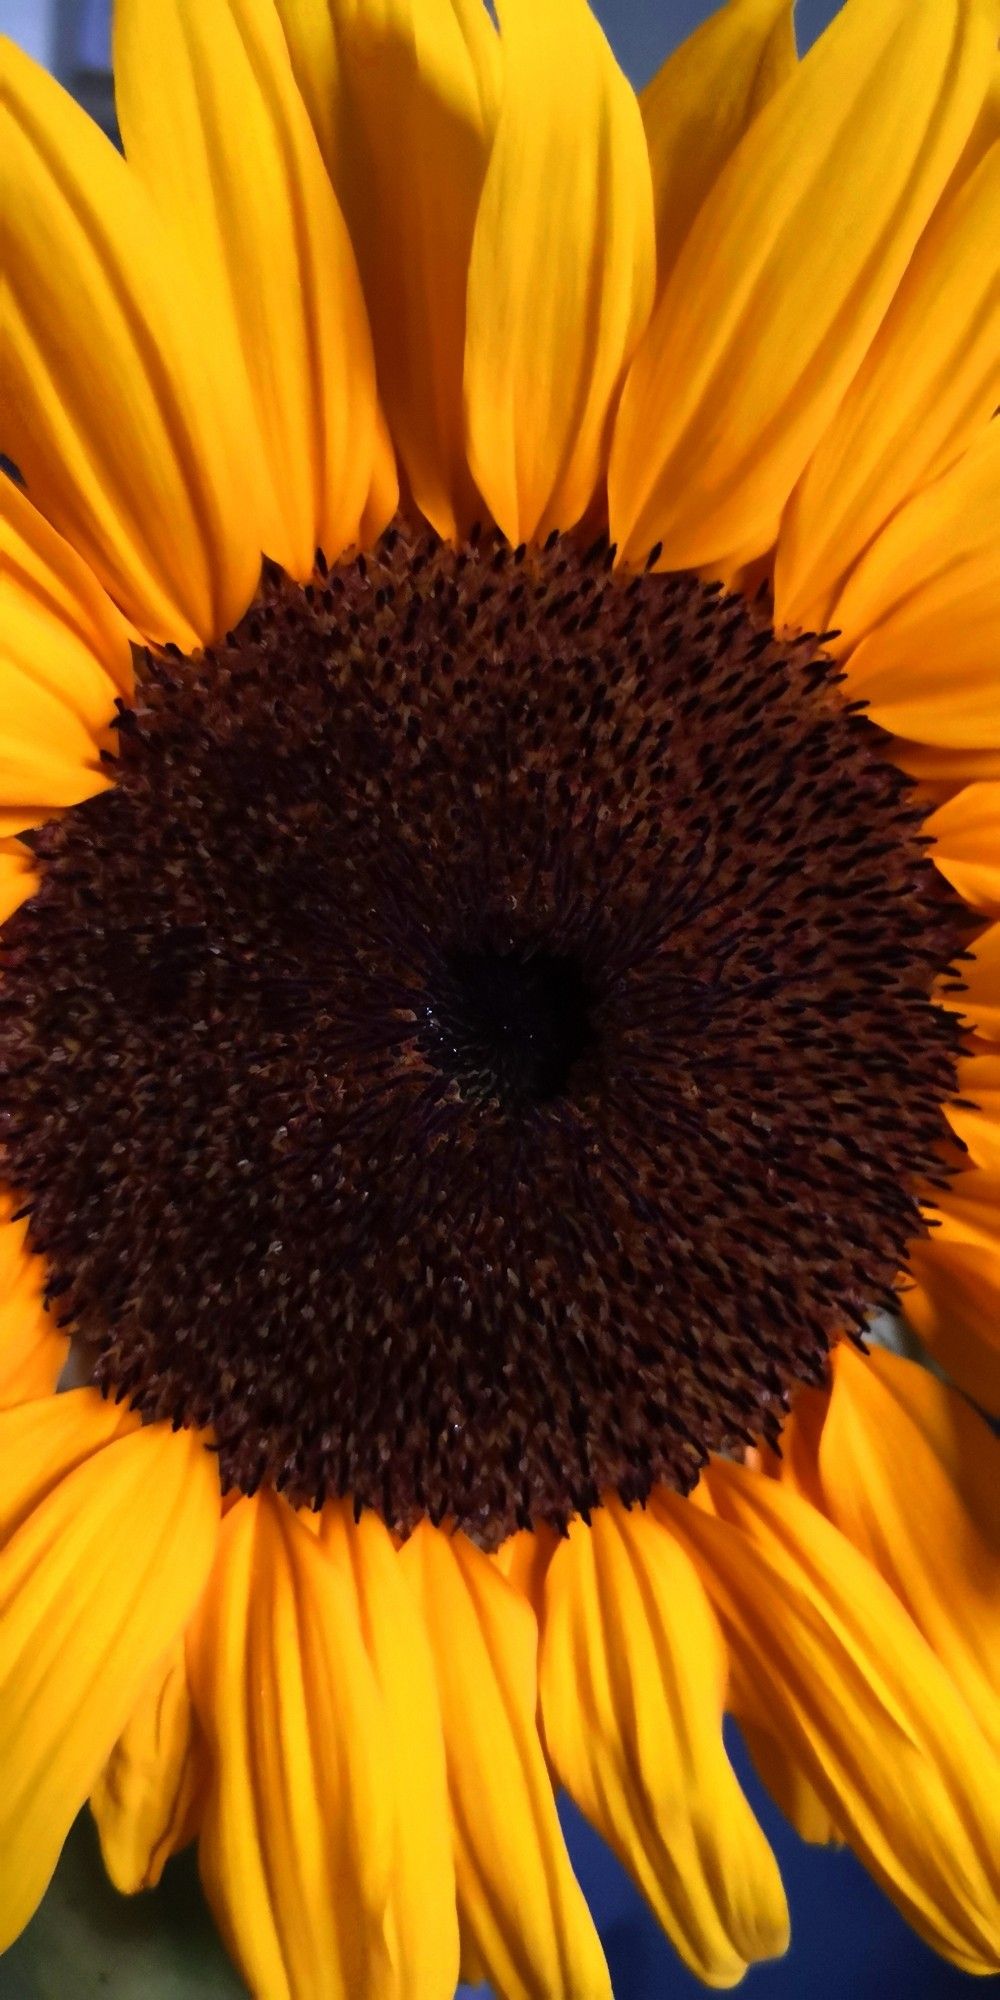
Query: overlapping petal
[(214, 126), (149, 490), (146, 1799), (295, 1849), (632, 1679), (966, 830), (95, 1583), (953, 1303), (911, 1474), (927, 386), (562, 268), (862, 1703), (422, 1918), (920, 615), (976, 1117), (979, 1003), (773, 303), (525, 1925), (702, 100), (403, 97)]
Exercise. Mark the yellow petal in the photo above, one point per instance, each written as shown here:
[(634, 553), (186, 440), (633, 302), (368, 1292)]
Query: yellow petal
[(94, 1586), (64, 656), (632, 1679), (18, 881), (954, 1305), (980, 1002), (561, 277), (968, 1210), (32, 1352), (296, 1839), (215, 127), (920, 615), (127, 437), (146, 1798), (520, 1906), (403, 100), (926, 387), (977, 1119), (967, 832), (42, 1440), (422, 1914), (784, 278), (941, 769), (700, 103), (863, 1705), (911, 1475), (789, 1787)]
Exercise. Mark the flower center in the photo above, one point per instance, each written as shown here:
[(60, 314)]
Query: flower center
[(480, 1053)]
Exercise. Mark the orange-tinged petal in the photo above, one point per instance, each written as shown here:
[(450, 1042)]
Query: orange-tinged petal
[(941, 769), (524, 1560), (920, 615), (403, 98), (423, 1921), (525, 1924), (296, 1839), (146, 1799), (862, 1703), (980, 1002), (699, 104), (632, 1679), (968, 1210), (977, 1118), (785, 276), (94, 1586), (562, 268), (64, 656), (911, 1474), (927, 385), (44, 1439), (32, 1351), (967, 831), (18, 881), (125, 434), (954, 1305), (215, 127)]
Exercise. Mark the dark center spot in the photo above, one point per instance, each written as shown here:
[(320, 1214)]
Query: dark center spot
[(512, 1025), (480, 1052)]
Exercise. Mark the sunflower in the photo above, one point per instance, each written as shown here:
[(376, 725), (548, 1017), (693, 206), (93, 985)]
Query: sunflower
[(501, 878)]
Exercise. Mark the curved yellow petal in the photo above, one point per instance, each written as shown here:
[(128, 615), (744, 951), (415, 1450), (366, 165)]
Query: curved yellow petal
[(127, 437), (967, 831), (980, 1002), (920, 615), (942, 769), (632, 1680), (785, 276), (214, 126), (562, 268), (64, 656), (928, 383), (146, 1799), (423, 1918), (296, 1838), (954, 1305), (94, 1586), (403, 97), (789, 1787), (911, 1474), (968, 1211), (18, 881), (863, 1705), (525, 1924), (977, 1118), (701, 101), (46, 1438), (32, 1351)]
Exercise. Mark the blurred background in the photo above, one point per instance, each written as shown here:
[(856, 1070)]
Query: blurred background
[(87, 1943)]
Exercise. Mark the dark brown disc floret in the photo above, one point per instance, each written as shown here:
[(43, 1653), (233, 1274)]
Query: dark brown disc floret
[(479, 1054)]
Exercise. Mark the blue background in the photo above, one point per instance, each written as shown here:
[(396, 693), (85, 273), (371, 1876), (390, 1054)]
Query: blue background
[(847, 1941)]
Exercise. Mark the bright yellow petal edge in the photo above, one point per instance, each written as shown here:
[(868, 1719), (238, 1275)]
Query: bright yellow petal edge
[(605, 1664)]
